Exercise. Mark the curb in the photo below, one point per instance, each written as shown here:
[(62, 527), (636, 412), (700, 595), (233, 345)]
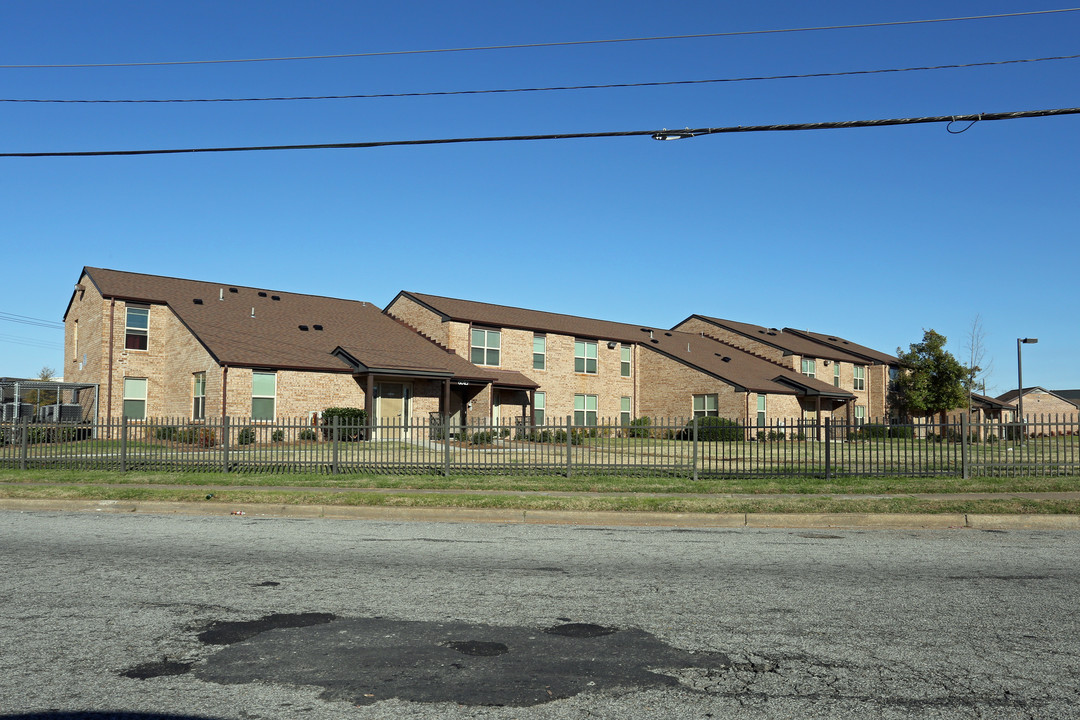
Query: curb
[(866, 521)]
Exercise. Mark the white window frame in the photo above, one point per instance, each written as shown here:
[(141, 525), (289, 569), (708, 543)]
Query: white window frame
[(137, 330), (582, 349), (860, 414), (761, 409), (626, 410), (836, 374), (540, 356), (198, 399), (587, 410), (489, 346), (809, 367), (705, 405), (135, 391), (859, 377), (625, 355), (539, 406), (272, 398)]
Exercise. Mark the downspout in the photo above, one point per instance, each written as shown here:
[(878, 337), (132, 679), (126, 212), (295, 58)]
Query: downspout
[(109, 380)]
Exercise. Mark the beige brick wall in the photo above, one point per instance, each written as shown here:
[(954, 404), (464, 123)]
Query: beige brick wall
[(672, 386), (412, 313), (1039, 405)]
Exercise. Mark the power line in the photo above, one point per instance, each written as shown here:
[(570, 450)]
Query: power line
[(25, 320), (30, 342), (440, 93), (656, 134), (539, 45)]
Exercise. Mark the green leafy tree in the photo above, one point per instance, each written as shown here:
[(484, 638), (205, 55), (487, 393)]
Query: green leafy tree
[(931, 380)]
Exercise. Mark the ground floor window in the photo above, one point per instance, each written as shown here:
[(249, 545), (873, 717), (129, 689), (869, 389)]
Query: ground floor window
[(263, 395), (198, 408), (135, 398), (705, 406), (625, 411), (538, 408), (860, 414), (761, 411), (585, 410)]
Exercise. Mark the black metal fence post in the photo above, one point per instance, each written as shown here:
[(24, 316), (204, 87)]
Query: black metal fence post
[(569, 441), (694, 451), (964, 448), (445, 420), (123, 443), (225, 444), (335, 438), (828, 448), (24, 442)]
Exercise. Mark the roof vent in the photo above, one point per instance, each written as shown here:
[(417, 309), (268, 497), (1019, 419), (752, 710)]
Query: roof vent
[(252, 312), (762, 331), (833, 340), (317, 327), (772, 333), (655, 340), (221, 294), (726, 359), (668, 334), (233, 290), (304, 328), (262, 294), (197, 301), (275, 297)]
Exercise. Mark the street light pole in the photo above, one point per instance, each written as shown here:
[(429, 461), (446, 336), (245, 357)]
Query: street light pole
[(1020, 379)]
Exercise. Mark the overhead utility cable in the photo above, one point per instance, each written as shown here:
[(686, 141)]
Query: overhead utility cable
[(440, 93), (26, 320), (664, 134), (539, 45)]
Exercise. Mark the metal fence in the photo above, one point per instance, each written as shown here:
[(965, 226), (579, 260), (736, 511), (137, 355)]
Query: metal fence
[(694, 448)]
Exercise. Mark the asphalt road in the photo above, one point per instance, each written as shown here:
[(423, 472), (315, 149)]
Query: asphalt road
[(238, 617)]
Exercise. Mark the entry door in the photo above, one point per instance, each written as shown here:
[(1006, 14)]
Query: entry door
[(393, 411)]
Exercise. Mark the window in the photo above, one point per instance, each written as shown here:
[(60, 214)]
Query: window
[(485, 346), (263, 394), (538, 409), (705, 406), (198, 410), (624, 364), (836, 374), (625, 411), (137, 328), (135, 398), (585, 408), (75, 339), (761, 410), (860, 377), (585, 356), (809, 367), (860, 414), (539, 352)]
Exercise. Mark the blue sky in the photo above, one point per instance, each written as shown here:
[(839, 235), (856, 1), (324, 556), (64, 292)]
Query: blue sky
[(873, 234)]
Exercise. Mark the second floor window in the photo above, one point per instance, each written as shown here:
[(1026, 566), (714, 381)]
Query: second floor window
[(136, 334), (809, 367), (485, 347), (539, 352), (624, 361), (585, 356), (836, 374), (860, 377)]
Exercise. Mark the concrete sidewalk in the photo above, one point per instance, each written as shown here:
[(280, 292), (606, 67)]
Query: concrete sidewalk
[(953, 521)]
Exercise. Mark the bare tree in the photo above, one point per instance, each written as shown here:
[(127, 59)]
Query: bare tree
[(978, 366), (45, 397)]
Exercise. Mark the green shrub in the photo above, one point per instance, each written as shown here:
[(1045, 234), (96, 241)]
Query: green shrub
[(246, 436), (167, 433), (351, 422), (307, 434), (277, 436), (713, 429), (481, 438), (639, 427)]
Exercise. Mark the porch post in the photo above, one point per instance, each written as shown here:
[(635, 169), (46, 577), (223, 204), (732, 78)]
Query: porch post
[(817, 407), (369, 398), (444, 403)]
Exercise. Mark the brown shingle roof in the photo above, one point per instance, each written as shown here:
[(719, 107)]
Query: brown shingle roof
[(254, 327), (847, 346), (741, 368)]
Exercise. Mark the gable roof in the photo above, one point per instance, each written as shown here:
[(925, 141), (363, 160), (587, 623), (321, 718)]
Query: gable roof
[(990, 403), (1013, 394), (741, 369), (791, 343), (839, 343), (253, 327)]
